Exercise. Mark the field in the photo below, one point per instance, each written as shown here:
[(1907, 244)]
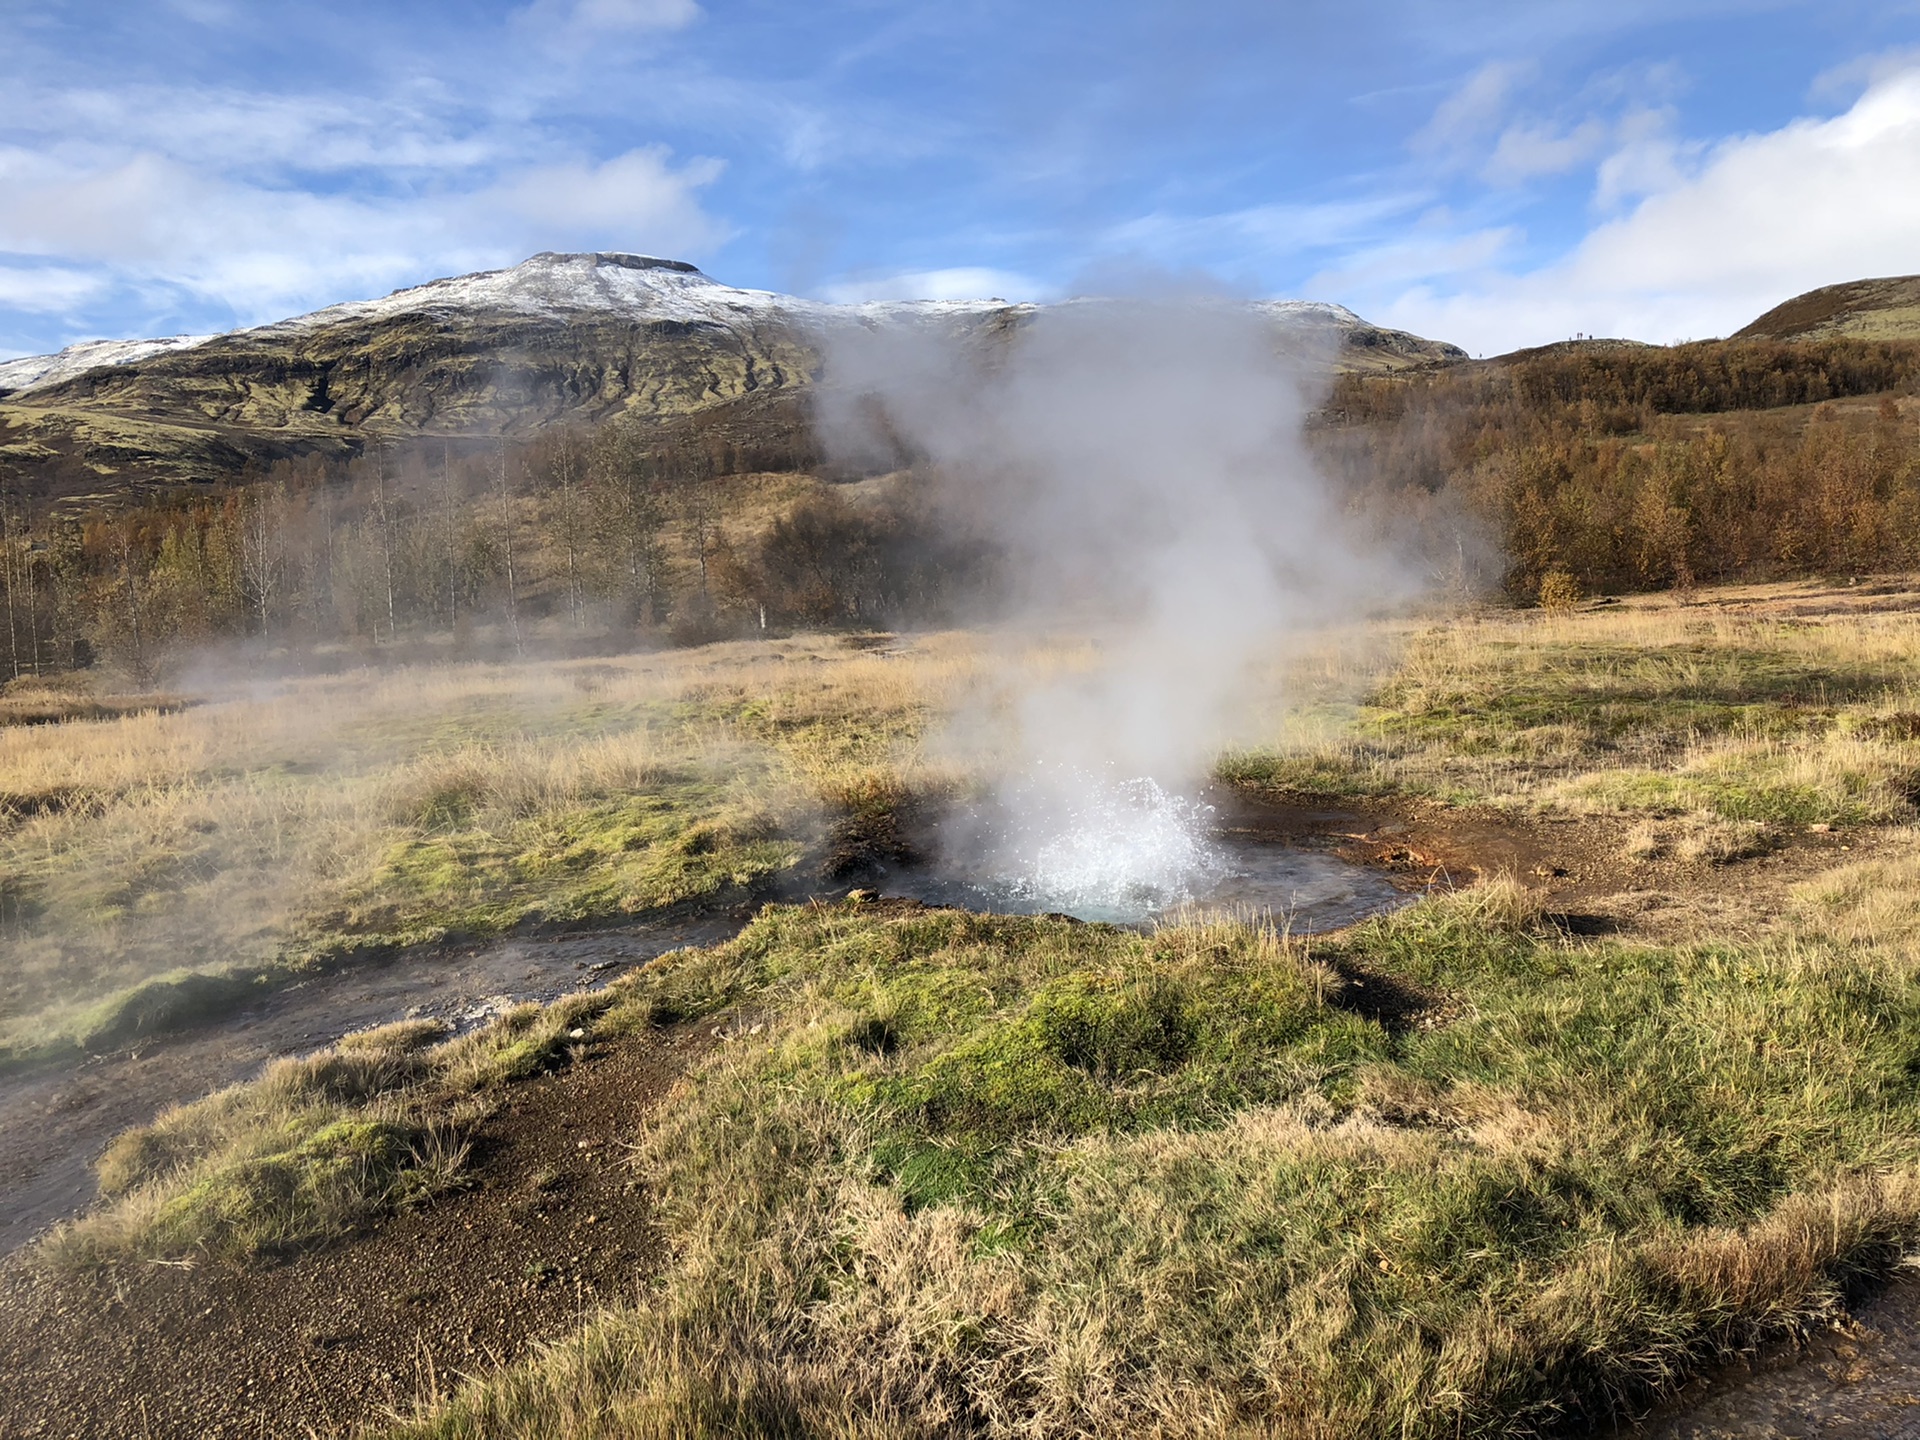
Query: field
[(1513, 1160), (182, 857)]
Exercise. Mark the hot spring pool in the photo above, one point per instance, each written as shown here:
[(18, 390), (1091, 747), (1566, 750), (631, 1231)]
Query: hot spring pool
[(1304, 891)]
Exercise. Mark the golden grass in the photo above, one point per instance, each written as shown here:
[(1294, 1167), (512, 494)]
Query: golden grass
[(1728, 708), (261, 826), (249, 829)]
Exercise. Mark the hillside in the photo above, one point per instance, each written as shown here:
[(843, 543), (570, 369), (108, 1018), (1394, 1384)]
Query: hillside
[(558, 338), (1885, 309)]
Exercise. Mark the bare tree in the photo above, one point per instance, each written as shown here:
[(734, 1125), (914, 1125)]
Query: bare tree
[(30, 557), (506, 540), (383, 518), (626, 489), (450, 517), (699, 513), (564, 470), (6, 549), (263, 550), (139, 663)]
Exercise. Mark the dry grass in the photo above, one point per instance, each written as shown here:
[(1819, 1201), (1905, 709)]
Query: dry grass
[(1725, 710), (1018, 1177), (288, 822), (965, 1181), (279, 824)]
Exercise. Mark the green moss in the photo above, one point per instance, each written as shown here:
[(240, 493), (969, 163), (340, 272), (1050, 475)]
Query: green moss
[(324, 1179)]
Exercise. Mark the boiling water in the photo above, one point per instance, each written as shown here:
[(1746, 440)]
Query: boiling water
[(1127, 852)]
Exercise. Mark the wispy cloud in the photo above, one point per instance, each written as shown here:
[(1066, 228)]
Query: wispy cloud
[(265, 249), (48, 289)]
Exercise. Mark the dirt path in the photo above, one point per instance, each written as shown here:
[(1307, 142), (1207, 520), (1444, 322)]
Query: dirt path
[(552, 1225), (56, 1120)]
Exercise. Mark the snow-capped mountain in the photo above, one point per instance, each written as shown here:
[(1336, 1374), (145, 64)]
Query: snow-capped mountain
[(32, 370), (560, 287), (556, 339)]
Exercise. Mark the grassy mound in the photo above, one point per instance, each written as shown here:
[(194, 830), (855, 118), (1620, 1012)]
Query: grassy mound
[(964, 1174), (314, 1148)]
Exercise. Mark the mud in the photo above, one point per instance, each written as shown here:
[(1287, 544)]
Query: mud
[(1859, 1380), (55, 1120)]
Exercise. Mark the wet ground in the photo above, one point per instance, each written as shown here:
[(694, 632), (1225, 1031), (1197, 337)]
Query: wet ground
[(1857, 1381), (55, 1120), (1301, 891)]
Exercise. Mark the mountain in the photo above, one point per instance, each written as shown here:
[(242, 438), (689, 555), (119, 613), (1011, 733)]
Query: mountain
[(559, 338), (1885, 309)]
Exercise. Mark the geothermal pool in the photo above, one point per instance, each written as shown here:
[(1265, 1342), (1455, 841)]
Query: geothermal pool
[(1301, 891)]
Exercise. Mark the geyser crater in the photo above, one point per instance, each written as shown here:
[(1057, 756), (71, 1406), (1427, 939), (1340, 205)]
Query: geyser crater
[(1126, 851)]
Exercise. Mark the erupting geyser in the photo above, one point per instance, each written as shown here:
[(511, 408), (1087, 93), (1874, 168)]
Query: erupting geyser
[(1097, 845), (1136, 467)]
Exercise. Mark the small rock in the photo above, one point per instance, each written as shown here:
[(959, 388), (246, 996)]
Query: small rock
[(576, 1034), (1820, 829)]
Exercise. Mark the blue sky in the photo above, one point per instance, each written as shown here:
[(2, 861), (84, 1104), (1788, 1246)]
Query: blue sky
[(1496, 174)]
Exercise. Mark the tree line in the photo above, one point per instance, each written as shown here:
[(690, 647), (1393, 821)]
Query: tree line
[(1594, 468), (1634, 467), (615, 531)]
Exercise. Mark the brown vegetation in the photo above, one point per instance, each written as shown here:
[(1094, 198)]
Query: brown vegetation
[(1637, 467)]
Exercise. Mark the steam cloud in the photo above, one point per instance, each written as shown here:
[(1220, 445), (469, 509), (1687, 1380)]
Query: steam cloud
[(1140, 466)]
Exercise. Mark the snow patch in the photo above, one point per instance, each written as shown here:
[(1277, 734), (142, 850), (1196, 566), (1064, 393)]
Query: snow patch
[(34, 372), (640, 286), (561, 287)]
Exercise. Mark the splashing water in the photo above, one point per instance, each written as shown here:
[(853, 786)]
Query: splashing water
[(1129, 852), (1097, 846)]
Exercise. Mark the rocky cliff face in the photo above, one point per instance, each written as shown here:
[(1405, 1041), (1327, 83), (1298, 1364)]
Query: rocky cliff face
[(558, 339)]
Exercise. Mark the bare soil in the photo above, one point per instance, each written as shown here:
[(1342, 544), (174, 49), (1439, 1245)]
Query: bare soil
[(56, 1119), (552, 1226)]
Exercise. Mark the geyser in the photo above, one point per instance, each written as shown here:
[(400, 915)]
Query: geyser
[(1137, 467)]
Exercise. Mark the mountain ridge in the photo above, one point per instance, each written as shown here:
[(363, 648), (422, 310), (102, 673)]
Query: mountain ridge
[(554, 283), (560, 338)]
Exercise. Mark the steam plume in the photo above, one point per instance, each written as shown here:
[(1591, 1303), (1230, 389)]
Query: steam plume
[(1139, 465)]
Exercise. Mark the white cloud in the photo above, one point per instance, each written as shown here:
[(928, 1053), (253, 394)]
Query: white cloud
[(1710, 244), (269, 249), (48, 290), (577, 19), (1258, 232), (638, 194), (1647, 159), (959, 283), (1473, 111), (1528, 150)]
